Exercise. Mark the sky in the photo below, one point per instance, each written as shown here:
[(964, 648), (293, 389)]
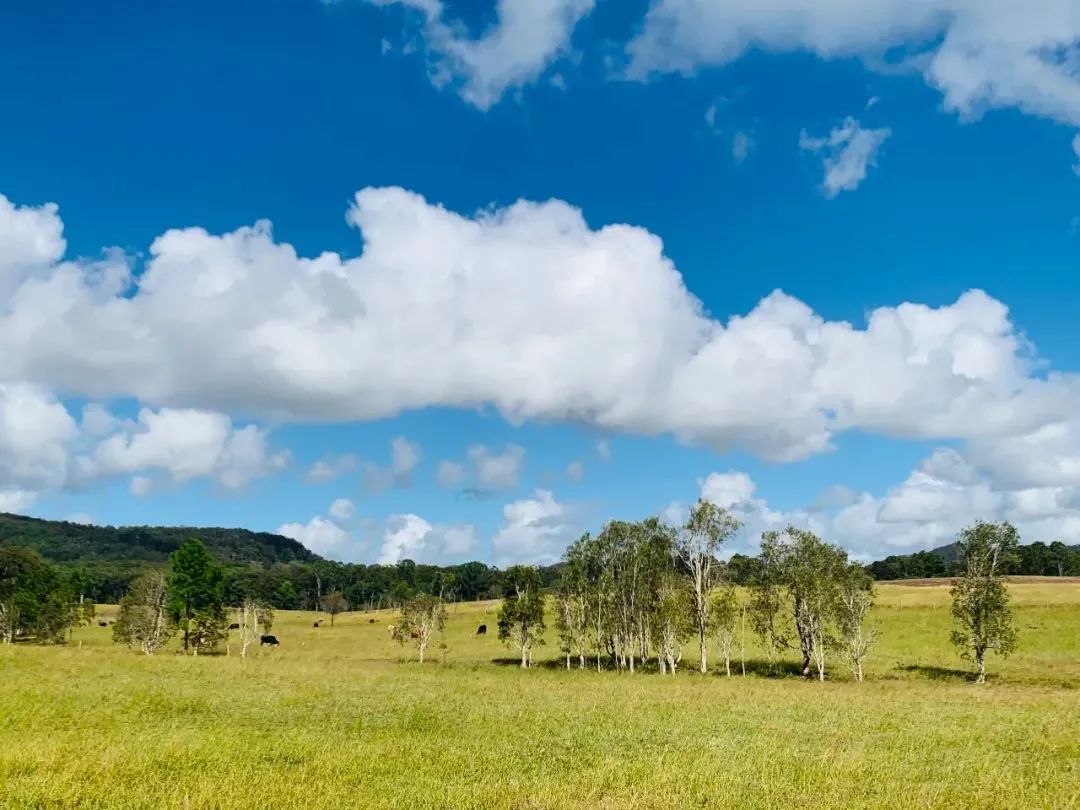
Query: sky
[(462, 279)]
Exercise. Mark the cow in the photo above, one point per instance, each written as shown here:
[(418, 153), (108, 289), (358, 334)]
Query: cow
[(103, 624), (271, 640), (372, 621), (481, 630), (234, 626), (315, 625), (414, 634), (390, 629)]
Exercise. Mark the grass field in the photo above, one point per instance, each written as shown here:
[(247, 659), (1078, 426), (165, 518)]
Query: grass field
[(342, 718)]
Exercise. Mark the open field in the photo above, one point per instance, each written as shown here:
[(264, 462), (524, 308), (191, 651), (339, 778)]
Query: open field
[(340, 717)]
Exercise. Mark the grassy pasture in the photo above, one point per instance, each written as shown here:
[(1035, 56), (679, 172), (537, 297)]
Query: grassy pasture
[(343, 718)]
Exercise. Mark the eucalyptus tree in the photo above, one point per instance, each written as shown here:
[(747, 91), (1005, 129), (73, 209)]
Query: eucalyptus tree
[(421, 617), (695, 545), (801, 574), (521, 615), (856, 597), (572, 602), (724, 615), (143, 621), (980, 598)]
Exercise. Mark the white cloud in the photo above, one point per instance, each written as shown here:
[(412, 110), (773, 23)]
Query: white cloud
[(981, 54), (342, 509), (848, 151), (404, 457), (603, 449), (532, 311), (16, 500), (741, 147), (411, 537), (575, 470), (330, 467), (528, 36), (141, 486), (32, 241), (81, 518), (185, 444), (727, 489), (535, 530), (320, 535), (450, 474), (35, 432), (496, 470)]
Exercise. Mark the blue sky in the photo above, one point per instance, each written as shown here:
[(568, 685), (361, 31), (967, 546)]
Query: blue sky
[(856, 160)]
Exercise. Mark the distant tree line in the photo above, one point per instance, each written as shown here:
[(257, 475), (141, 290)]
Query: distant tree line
[(1035, 559)]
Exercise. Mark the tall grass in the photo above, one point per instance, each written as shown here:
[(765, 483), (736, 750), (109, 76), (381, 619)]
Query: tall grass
[(344, 718)]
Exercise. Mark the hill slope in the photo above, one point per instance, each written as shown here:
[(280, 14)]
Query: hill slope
[(64, 542)]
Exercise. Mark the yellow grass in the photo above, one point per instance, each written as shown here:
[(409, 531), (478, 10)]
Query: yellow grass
[(342, 718)]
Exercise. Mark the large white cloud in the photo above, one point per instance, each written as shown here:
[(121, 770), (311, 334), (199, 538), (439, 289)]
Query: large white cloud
[(981, 54), (535, 530), (526, 38), (411, 537), (526, 308)]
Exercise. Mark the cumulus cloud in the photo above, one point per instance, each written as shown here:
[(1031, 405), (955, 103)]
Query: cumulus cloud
[(342, 510), (527, 37), (531, 311), (485, 469), (404, 457), (411, 537), (185, 444), (35, 433), (535, 530), (981, 54), (320, 535), (940, 497), (848, 150), (330, 467), (16, 500), (450, 474)]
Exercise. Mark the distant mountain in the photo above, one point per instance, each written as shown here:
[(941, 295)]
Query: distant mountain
[(64, 542)]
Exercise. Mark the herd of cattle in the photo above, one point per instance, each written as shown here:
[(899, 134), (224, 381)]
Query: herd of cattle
[(271, 641)]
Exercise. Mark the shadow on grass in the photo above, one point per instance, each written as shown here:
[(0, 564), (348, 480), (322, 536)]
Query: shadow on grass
[(758, 668), (938, 673)]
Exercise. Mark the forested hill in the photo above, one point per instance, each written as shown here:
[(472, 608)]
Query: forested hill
[(64, 542)]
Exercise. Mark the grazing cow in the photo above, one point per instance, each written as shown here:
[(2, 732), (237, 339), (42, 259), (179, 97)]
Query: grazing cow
[(234, 626), (271, 640), (103, 624), (372, 621), (481, 630), (315, 625), (414, 634), (390, 629)]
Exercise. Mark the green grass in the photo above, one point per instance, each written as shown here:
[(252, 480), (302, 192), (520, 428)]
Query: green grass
[(341, 718)]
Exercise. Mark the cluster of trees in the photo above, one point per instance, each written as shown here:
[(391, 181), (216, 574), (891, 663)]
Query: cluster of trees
[(640, 591), (188, 599), (1035, 559), (38, 601)]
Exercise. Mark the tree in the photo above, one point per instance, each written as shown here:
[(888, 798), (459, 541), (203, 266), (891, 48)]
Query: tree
[(143, 621), (421, 617), (255, 619), (980, 598), (696, 545), (333, 603), (196, 596), (856, 598), (671, 625), (804, 573), (724, 621), (36, 601), (521, 615)]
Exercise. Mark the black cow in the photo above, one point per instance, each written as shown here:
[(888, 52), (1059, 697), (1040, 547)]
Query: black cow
[(234, 626), (316, 625), (481, 630), (103, 624), (271, 640), (371, 621)]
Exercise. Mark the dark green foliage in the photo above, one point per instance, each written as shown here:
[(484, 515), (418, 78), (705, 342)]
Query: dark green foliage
[(37, 602), (197, 595), (1037, 559)]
